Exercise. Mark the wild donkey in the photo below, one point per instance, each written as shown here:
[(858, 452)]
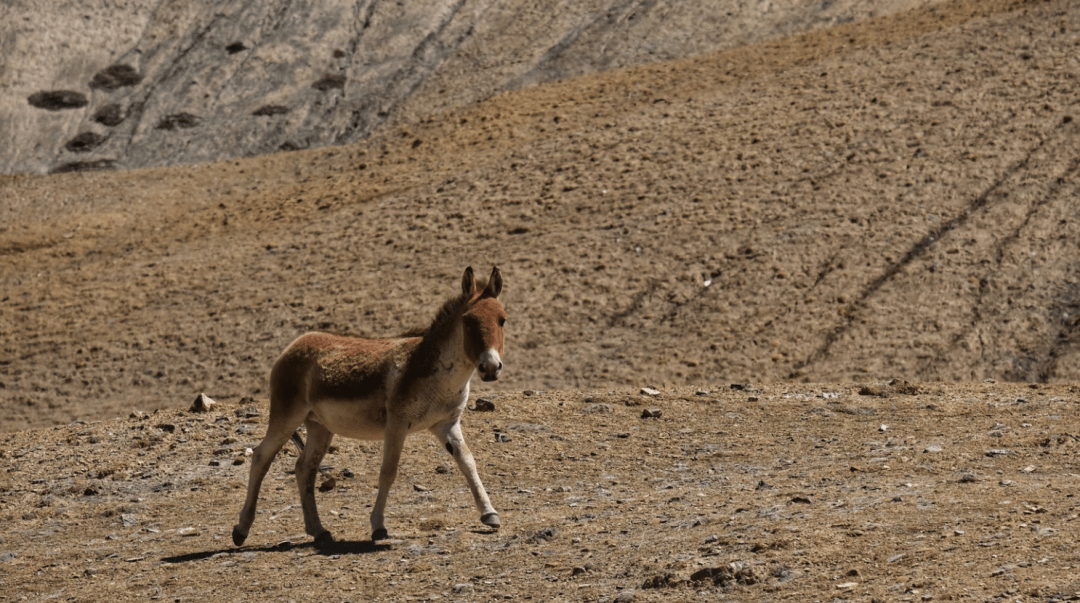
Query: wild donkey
[(384, 389)]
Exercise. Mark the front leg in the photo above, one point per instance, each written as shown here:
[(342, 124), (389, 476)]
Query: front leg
[(449, 435), (393, 441)]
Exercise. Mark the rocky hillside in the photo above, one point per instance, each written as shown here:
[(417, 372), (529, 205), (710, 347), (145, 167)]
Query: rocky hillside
[(135, 83)]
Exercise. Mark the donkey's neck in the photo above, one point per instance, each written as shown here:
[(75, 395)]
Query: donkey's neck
[(452, 371)]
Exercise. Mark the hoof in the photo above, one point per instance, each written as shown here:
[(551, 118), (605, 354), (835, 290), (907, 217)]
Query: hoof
[(380, 534), (324, 540), (491, 520), (238, 537)]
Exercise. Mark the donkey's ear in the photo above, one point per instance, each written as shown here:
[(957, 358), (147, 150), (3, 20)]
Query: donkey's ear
[(468, 283), (494, 286)]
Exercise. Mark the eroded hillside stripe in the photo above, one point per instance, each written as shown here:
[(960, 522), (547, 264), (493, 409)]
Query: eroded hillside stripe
[(1018, 170)]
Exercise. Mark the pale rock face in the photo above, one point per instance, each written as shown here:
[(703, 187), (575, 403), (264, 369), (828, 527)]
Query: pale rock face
[(105, 84)]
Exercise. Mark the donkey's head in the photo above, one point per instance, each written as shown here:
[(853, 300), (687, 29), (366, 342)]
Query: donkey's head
[(483, 324)]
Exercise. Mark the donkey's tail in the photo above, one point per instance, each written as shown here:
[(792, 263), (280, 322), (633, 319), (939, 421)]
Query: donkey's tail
[(299, 441)]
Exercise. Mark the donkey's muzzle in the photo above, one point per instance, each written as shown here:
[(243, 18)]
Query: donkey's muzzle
[(490, 365)]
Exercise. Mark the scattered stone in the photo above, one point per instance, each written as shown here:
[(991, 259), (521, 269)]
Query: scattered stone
[(847, 585), (328, 484), (805, 500), (870, 390), (348, 473), (933, 448), (270, 110), (187, 532), (84, 142), (419, 488), (178, 120), (214, 463), (1006, 483), (761, 485), (166, 427), (503, 437), (736, 572), (997, 452), (895, 558), (740, 387), (5, 557), (484, 405), (238, 461), (462, 588), (128, 520), (532, 392), (578, 570), (441, 469), (968, 477), (651, 413), (235, 47), (597, 409), (883, 428), (55, 100), (648, 391), (202, 403), (624, 596), (545, 534), (1028, 469), (114, 77), (330, 82), (97, 165)]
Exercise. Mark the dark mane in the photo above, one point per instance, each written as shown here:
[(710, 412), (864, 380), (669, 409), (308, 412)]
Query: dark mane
[(422, 361)]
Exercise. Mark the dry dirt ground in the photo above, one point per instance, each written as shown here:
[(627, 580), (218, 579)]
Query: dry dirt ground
[(906, 492), (893, 198)]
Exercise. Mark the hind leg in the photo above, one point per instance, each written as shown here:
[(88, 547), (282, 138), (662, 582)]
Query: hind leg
[(277, 434), (307, 467)]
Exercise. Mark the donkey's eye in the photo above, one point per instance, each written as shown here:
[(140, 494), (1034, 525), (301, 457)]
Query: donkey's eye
[(502, 321)]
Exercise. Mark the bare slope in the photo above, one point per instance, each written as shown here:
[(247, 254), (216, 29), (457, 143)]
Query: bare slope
[(137, 83), (884, 198)]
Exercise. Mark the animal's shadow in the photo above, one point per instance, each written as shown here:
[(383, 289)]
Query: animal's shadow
[(337, 547)]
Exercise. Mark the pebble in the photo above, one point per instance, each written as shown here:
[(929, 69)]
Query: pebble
[(128, 520), (328, 484), (545, 534), (484, 405), (187, 532), (202, 403), (5, 557), (624, 596), (597, 409), (651, 413), (997, 452), (503, 437), (648, 391), (932, 448)]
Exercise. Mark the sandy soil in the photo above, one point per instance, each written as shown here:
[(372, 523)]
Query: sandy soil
[(885, 199), (805, 492)]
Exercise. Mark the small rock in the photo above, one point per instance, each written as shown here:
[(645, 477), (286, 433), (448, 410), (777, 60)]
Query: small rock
[(1006, 483), (578, 570), (5, 557), (531, 392), (128, 520), (545, 534), (419, 488), (883, 428), (624, 596), (805, 500), (187, 532), (463, 588), (1028, 469), (484, 405), (215, 463), (648, 391), (348, 473), (202, 403), (968, 477), (932, 448), (761, 485), (441, 469), (238, 461), (997, 452), (328, 484), (597, 409), (503, 437), (847, 585), (651, 413)]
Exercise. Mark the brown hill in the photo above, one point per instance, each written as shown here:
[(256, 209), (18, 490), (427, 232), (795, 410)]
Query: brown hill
[(885, 198)]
